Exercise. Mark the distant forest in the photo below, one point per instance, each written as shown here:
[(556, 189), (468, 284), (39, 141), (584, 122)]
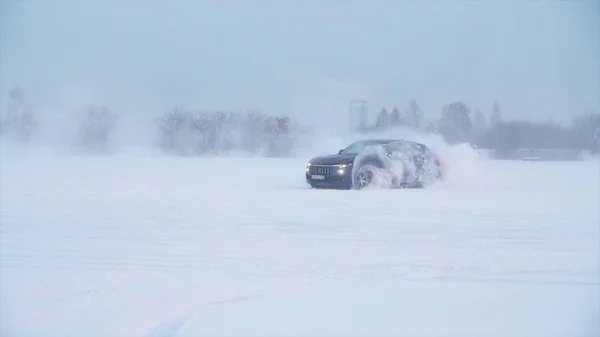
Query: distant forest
[(187, 132), (458, 123)]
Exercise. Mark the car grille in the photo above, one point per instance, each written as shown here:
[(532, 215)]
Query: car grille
[(320, 169)]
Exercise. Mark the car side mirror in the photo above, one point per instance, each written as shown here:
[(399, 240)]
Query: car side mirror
[(340, 151)]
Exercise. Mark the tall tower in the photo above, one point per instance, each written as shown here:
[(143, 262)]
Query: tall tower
[(357, 114)]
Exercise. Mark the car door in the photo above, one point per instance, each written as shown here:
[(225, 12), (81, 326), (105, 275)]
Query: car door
[(400, 162), (394, 151), (412, 156)]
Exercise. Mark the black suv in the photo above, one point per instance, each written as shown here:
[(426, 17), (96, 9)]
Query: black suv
[(399, 163)]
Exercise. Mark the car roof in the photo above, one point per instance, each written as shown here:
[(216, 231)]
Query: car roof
[(382, 141), (385, 141)]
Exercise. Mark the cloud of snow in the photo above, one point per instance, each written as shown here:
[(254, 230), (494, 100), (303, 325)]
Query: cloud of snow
[(463, 164)]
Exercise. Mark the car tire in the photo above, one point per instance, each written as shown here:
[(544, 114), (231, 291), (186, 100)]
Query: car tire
[(364, 177)]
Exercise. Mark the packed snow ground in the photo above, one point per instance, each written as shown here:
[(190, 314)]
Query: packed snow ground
[(174, 247)]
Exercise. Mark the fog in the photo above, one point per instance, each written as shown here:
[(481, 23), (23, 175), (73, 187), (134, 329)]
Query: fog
[(303, 59), (133, 203)]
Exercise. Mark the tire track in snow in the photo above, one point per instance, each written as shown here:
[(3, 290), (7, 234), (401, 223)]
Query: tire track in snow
[(170, 328), (139, 253)]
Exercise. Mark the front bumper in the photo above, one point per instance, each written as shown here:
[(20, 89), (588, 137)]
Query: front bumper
[(333, 180)]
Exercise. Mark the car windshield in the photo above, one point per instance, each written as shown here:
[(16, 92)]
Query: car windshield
[(357, 147)]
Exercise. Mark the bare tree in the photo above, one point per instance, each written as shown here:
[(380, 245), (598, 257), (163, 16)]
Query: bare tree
[(217, 126), (19, 119), (96, 127), (278, 130), (172, 127), (219, 132), (200, 125), (229, 125), (252, 133)]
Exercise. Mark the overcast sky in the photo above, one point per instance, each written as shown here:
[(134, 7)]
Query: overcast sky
[(306, 58)]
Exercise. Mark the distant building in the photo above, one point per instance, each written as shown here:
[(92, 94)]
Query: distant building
[(357, 114)]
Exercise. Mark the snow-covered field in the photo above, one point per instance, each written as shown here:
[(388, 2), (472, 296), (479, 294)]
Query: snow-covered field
[(164, 247)]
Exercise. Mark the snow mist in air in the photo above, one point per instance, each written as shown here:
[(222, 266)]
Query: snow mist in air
[(381, 178), (463, 165)]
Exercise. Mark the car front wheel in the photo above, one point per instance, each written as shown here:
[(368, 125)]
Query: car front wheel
[(364, 177)]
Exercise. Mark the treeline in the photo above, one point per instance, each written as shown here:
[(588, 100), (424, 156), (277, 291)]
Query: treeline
[(221, 132), (177, 131), (94, 127), (458, 123)]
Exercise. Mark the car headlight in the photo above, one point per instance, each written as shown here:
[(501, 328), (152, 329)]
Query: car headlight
[(307, 167), (341, 168)]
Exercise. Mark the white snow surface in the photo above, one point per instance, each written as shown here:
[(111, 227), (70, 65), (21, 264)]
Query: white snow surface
[(175, 247)]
